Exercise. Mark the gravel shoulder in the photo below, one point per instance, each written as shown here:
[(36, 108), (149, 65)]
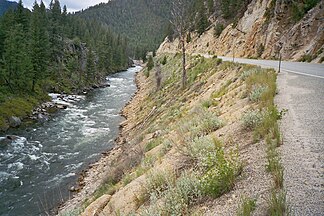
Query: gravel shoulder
[(303, 138)]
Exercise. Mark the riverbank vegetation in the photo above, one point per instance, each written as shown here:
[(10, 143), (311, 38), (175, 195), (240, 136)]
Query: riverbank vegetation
[(48, 50)]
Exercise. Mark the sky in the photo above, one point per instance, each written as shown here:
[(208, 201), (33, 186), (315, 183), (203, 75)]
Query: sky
[(72, 5)]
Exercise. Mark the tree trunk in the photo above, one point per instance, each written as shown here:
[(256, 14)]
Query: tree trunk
[(184, 72)]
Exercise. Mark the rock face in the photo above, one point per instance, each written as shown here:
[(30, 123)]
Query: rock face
[(14, 121), (265, 30)]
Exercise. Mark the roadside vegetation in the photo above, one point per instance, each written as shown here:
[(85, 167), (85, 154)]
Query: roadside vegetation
[(183, 156), (262, 120)]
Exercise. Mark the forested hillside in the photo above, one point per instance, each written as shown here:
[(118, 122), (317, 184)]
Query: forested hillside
[(143, 22), (48, 50), (5, 5), (147, 22)]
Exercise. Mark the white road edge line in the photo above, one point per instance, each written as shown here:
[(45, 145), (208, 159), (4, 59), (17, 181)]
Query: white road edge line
[(300, 73), (276, 68)]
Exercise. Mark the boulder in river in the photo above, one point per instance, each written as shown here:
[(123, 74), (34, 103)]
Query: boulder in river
[(14, 121), (42, 117)]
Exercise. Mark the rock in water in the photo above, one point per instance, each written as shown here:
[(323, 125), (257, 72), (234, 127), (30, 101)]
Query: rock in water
[(41, 117), (14, 121)]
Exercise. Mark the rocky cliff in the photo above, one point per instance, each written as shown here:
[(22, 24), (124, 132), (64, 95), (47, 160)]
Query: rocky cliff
[(265, 30)]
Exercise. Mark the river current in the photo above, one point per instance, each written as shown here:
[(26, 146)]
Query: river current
[(42, 163)]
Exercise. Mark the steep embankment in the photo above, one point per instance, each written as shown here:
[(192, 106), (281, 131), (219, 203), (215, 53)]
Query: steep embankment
[(266, 29), (194, 150)]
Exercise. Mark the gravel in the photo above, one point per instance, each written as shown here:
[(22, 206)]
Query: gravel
[(303, 148)]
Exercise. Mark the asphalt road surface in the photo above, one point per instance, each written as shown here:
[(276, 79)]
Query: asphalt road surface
[(301, 91), (300, 68)]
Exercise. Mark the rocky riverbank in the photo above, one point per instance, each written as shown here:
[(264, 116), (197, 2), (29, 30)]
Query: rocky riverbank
[(43, 111), (91, 178)]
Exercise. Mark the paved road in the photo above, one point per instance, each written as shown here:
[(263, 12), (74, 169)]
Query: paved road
[(301, 91), (300, 68)]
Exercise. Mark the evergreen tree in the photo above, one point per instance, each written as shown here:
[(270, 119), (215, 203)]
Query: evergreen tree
[(39, 43), (17, 63), (150, 63), (55, 30), (22, 16), (90, 67), (202, 20)]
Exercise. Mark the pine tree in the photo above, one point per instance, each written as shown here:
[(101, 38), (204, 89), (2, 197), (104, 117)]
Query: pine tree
[(22, 16), (39, 43), (202, 20), (150, 63), (90, 67), (55, 30), (17, 63)]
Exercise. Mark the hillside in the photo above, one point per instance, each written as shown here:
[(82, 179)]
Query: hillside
[(209, 148), (265, 30), (48, 50), (143, 22), (5, 5), (174, 139)]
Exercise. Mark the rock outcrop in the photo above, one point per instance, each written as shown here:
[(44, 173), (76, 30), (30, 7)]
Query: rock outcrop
[(265, 31)]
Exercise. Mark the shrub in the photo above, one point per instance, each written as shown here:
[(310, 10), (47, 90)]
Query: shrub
[(218, 61), (250, 72), (150, 63), (257, 92), (253, 118), (146, 73), (201, 122), (178, 199), (221, 172), (164, 60), (218, 29), (306, 58), (159, 181), (247, 206)]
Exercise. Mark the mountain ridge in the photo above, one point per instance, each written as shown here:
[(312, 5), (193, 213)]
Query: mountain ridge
[(6, 5)]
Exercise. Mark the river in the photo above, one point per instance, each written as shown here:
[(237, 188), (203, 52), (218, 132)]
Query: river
[(39, 167)]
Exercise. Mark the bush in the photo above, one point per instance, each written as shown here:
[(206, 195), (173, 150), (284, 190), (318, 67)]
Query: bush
[(221, 171), (207, 103), (200, 123), (250, 72), (253, 118), (164, 60), (150, 63), (218, 29), (178, 199), (257, 92), (159, 181)]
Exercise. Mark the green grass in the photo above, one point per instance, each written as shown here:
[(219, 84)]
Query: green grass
[(152, 144), (246, 207), (261, 85), (222, 91), (20, 106), (278, 204)]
